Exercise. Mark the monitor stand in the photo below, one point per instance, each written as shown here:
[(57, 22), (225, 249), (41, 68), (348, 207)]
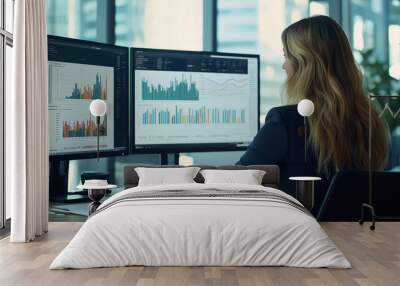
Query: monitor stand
[(58, 184), (164, 158)]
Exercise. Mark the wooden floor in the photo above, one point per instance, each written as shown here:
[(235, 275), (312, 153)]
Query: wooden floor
[(375, 257)]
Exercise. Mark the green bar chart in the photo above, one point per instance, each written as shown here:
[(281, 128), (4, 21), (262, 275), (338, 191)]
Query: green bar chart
[(176, 89), (202, 115)]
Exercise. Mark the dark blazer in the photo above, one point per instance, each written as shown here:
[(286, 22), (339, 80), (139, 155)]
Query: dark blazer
[(281, 141)]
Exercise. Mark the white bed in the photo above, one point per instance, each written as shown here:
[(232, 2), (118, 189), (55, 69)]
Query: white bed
[(207, 230)]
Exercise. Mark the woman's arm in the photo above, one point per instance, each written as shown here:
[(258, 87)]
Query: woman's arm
[(269, 146)]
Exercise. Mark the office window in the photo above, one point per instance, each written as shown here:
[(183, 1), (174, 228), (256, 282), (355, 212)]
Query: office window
[(2, 171), (80, 19), (394, 39), (363, 33), (9, 15), (129, 22), (319, 7), (173, 24), (6, 42), (369, 27), (255, 26), (8, 86), (374, 36)]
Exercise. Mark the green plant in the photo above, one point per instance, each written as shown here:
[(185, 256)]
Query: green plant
[(376, 74), (379, 82)]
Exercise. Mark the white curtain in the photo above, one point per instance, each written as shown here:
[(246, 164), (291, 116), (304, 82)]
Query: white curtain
[(26, 124)]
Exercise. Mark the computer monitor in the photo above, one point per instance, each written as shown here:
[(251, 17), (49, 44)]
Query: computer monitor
[(184, 100), (79, 72)]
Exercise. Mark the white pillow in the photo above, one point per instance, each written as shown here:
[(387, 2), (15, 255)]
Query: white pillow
[(165, 176), (248, 177)]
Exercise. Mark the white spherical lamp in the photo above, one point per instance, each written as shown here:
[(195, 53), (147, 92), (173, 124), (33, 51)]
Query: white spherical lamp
[(305, 107), (98, 107)]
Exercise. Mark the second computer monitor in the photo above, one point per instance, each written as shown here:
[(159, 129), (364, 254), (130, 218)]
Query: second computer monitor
[(190, 100), (79, 72)]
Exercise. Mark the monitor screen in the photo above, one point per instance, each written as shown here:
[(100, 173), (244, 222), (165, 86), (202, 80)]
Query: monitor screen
[(79, 72), (194, 98)]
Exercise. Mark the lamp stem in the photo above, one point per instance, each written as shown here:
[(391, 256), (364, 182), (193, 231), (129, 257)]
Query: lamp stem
[(305, 139), (98, 137)]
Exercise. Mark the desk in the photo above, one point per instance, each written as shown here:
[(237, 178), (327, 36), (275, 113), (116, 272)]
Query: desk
[(305, 190)]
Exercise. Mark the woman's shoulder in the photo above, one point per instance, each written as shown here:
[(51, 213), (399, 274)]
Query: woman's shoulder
[(284, 109), (286, 113)]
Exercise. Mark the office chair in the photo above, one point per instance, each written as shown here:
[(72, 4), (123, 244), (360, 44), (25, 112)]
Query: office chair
[(349, 190)]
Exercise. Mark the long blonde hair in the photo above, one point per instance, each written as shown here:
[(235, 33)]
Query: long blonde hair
[(325, 71)]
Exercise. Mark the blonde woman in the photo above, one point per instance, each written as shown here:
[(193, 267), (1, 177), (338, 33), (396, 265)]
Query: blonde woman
[(320, 66)]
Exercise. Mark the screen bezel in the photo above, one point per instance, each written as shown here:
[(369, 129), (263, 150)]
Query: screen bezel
[(188, 147), (117, 151)]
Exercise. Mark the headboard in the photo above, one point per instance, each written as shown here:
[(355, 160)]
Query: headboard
[(270, 179)]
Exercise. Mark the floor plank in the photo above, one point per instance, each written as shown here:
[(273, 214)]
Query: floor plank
[(374, 255)]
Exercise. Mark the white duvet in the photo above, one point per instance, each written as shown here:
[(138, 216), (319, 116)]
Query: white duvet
[(200, 231)]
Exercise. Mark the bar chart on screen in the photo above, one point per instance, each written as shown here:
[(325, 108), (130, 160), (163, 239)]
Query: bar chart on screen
[(96, 91), (76, 129), (189, 97), (71, 81), (202, 115), (72, 87), (176, 89), (84, 128), (80, 72)]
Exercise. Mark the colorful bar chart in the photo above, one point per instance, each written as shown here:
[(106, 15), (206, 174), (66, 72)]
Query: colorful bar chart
[(201, 115), (84, 128), (176, 90), (88, 92)]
